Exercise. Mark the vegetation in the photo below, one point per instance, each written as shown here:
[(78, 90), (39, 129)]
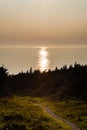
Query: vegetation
[(23, 95), (25, 113), (64, 83), (4, 86), (72, 110)]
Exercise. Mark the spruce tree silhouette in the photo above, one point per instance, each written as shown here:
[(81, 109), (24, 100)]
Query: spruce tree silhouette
[(64, 83), (4, 88)]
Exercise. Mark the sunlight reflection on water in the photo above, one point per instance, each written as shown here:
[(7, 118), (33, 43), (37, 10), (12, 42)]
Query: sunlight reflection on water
[(43, 62)]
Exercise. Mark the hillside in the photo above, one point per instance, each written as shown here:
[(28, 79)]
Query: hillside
[(24, 98), (25, 113), (64, 83)]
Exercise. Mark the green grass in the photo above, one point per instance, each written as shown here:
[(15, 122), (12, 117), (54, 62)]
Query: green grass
[(74, 111), (26, 113)]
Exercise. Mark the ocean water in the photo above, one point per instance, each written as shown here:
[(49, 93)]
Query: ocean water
[(21, 59)]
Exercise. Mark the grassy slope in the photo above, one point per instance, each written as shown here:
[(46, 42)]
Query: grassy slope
[(27, 114), (74, 111)]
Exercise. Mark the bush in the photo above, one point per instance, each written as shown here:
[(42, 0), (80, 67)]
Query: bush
[(12, 117), (14, 126)]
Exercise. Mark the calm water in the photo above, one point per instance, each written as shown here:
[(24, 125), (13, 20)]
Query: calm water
[(18, 59)]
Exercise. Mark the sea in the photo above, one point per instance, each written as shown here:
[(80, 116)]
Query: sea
[(18, 59)]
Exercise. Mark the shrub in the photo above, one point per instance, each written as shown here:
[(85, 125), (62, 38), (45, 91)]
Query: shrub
[(14, 126)]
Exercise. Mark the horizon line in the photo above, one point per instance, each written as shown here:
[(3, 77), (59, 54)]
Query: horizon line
[(43, 46)]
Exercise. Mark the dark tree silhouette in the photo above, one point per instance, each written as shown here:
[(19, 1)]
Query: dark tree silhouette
[(64, 83), (4, 88)]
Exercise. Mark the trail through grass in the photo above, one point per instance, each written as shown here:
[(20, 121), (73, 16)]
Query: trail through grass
[(25, 113), (72, 110)]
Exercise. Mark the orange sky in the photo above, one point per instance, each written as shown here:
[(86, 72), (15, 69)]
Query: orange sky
[(42, 20)]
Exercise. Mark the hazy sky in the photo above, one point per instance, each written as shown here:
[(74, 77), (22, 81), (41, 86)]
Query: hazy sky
[(43, 20)]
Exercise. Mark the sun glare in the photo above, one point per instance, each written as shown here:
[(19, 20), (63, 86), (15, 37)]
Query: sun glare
[(43, 53), (43, 63)]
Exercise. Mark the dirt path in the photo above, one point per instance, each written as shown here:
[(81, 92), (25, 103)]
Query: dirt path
[(60, 118)]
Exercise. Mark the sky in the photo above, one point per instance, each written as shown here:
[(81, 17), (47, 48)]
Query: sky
[(43, 22)]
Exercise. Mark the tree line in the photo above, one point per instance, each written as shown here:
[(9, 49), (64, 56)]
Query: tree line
[(66, 82)]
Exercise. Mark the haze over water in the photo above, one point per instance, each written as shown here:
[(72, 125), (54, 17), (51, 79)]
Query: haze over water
[(43, 58), (42, 34)]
